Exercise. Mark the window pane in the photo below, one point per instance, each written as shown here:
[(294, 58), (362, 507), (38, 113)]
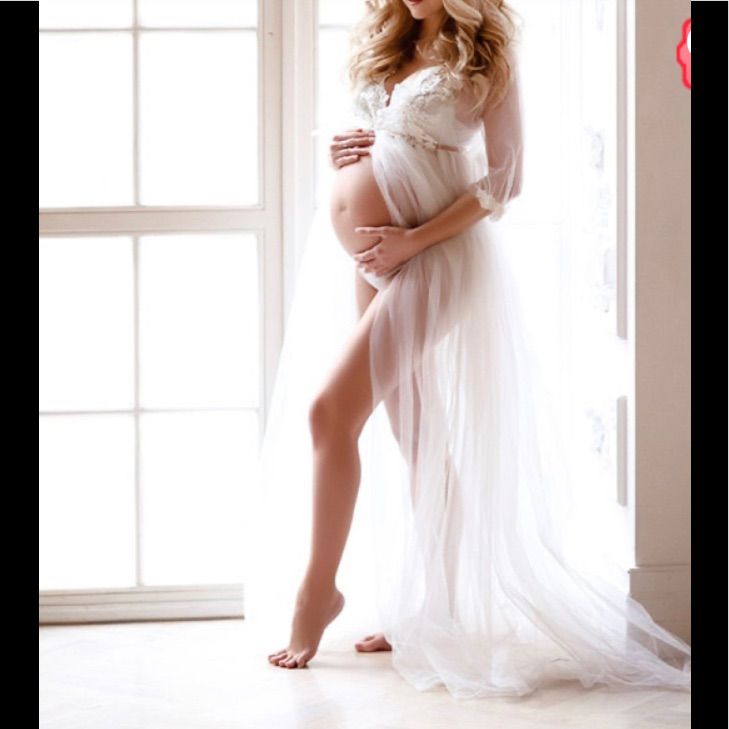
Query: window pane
[(199, 309), (336, 12), (199, 118), (85, 13), (85, 122), (198, 13), (544, 95), (598, 90), (86, 483), (334, 99), (194, 470), (86, 319)]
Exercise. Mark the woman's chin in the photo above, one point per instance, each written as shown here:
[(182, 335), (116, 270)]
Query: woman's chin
[(416, 9)]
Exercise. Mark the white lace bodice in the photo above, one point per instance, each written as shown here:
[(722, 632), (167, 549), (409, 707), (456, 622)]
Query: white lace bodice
[(426, 109), (422, 108)]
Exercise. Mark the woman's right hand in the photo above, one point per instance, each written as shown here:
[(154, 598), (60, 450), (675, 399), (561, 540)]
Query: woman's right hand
[(349, 146)]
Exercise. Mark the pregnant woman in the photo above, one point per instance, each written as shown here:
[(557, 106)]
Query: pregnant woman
[(474, 589)]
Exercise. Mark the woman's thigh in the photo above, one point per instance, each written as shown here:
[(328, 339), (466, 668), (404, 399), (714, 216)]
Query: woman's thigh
[(363, 292), (345, 400)]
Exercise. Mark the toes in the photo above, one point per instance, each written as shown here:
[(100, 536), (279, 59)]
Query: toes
[(372, 643), (288, 659), (280, 660), (365, 644)]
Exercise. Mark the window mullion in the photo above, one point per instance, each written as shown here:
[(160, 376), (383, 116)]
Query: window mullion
[(135, 103), (138, 570), (128, 221)]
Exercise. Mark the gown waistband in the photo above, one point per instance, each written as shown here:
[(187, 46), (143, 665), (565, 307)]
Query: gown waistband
[(423, 141)]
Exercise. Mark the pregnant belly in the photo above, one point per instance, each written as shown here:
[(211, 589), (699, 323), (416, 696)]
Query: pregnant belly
[(356, 200)]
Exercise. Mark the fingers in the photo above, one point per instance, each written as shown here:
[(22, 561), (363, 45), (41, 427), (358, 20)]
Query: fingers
[(349, 147), (350, 151), (373, 229), (347, 156), (345, 160), (359, 139), (368, 134), (368, 254)]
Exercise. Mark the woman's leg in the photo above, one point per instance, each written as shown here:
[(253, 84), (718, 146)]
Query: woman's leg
[(377, 641), (337, 417), (364, 294), (405, 405)]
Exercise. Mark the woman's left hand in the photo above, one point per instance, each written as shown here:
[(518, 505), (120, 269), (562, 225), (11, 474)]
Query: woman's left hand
[(397, 245)]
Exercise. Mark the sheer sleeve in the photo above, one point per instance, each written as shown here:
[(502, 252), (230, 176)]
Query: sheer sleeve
[(502, 129)]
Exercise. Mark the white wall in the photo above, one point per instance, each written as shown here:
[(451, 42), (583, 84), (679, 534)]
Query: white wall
[(661, 579)]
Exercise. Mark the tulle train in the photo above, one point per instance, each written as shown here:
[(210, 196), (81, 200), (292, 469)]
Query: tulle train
[(467, 477)]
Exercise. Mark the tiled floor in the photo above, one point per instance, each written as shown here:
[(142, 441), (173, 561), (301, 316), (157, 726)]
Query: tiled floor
[(214, 675)]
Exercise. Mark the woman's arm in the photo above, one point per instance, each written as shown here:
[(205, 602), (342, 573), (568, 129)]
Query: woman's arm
[(457, 217), (490, 195)]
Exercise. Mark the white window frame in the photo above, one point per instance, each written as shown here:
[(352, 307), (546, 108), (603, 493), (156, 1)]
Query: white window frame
[(265, 221)]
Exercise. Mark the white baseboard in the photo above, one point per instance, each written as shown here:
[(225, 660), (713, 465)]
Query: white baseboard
[(665, 592), (140, 603)]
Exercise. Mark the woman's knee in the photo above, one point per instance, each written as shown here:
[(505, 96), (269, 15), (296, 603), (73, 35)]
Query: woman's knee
[(329, 419)]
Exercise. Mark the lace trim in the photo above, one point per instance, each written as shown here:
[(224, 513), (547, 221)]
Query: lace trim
[(489, 202), (421, 140), (411, 119)]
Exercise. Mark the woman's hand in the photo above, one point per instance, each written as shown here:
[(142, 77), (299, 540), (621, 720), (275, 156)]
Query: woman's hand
[(349, 146), (395, 247)]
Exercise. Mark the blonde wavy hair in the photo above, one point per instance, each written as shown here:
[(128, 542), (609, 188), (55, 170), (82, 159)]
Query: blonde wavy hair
[(473, 42)]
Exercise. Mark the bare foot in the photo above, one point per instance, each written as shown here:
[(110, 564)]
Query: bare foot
[(312, 614), (375, 642)]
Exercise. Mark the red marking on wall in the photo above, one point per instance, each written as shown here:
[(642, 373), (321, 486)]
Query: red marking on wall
[(683, 53)]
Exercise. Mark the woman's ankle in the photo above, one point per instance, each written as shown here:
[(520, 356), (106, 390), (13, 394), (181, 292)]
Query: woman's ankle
[(316, 583)]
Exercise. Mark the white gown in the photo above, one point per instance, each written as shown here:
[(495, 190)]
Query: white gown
[(473, 581)]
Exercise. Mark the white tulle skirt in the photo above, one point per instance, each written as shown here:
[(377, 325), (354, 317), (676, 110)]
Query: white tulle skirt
[(471, 546)]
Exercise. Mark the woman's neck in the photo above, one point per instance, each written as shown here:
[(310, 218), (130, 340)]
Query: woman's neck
[(429, 28)]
